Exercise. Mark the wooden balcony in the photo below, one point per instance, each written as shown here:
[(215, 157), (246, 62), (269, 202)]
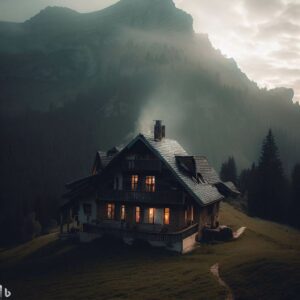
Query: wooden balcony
[(160, 197), (168, 237), (142, 165)]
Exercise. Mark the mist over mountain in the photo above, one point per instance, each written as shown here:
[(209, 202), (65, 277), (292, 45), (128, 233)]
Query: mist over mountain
[(72, 83)]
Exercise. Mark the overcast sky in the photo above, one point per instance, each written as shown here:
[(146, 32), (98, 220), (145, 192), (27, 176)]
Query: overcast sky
[(263, 36)]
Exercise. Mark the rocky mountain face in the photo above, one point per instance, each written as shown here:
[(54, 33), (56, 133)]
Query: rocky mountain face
[(73, 83)]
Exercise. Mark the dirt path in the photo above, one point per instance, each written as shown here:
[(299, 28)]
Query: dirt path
[(215, 271), (239, 232)]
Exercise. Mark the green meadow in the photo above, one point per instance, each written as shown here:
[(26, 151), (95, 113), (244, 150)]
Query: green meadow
[(264, 263)]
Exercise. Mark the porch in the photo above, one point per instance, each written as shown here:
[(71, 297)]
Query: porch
[(180, 241)]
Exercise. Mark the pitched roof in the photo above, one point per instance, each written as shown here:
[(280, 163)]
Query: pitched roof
[(207, 172), (167, 149), (229, 187), (104, 158)]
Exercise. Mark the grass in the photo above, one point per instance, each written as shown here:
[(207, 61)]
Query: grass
[(263, 264)]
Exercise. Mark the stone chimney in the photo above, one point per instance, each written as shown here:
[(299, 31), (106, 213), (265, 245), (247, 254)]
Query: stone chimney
[(159, 130)]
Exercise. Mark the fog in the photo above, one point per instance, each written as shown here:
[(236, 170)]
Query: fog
[(262, 36), (72, 84)]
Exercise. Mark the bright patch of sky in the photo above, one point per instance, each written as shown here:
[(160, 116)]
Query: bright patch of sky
[(263, 36)]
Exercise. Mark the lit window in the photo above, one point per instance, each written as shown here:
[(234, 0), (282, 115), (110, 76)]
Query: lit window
[(151, 215), (87, 209), (134, 182), (137, 214), (110, 211), (150, 183), (167, 216), (123, 212)]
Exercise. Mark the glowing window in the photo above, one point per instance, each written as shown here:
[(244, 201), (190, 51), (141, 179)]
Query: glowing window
[(151, 215), (110, 211), (167, 216), (150, 183), (134, 182), (123, 213), (137, 214)]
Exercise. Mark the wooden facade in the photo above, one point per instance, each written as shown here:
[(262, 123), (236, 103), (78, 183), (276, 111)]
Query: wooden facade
[(151, 186)]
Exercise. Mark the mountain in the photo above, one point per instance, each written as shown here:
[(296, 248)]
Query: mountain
[(72, 83)]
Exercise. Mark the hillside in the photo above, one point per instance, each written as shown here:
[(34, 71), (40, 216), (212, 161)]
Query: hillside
[(256, 267), (73, 83), (141, 60)]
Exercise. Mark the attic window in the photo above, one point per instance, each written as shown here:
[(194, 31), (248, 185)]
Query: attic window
[(200, 178), (130, 164), (150, 183)]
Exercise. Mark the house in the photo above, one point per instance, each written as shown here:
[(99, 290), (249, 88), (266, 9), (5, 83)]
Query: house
[(152, 190)]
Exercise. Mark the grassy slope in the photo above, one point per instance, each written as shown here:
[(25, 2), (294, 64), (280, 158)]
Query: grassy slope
[(263, 264)]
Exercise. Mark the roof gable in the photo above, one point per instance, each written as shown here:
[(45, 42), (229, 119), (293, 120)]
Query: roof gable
[(167, 150)]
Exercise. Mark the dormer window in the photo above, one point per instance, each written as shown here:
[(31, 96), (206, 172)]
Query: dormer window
[(150, 183), (200, 178), (134, 182), (130, 164)]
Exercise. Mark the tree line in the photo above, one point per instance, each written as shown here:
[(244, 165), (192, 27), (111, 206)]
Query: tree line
[(269, 192)]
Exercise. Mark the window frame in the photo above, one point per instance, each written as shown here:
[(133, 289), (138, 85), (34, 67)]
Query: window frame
[(123, 212), (151, 219), (167, 212), (134, 180), (150, 183), (137, 214), (110, 211)]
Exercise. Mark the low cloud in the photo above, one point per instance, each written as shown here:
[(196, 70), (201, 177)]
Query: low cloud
[(262, 36)]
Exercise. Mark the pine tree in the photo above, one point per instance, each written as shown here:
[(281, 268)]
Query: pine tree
[(228, 171), (270, 182), (252, 191), (243, 181)]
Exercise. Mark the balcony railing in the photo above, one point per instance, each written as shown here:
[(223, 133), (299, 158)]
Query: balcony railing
[(160, 197), (170, 237), (141, 165)]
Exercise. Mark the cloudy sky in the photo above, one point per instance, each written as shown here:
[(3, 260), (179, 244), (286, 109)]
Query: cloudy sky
[(263, 36)]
